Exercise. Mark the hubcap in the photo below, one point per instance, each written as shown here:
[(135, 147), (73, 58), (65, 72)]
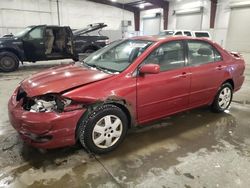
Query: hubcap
[(225, 97), (7, 62), (107, 131)]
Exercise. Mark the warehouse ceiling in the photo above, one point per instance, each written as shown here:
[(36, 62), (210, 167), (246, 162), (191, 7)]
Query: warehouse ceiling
[(134, 5)]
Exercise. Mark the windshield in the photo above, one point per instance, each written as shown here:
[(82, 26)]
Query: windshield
[(23, 32), (166, 33), (117, 56)]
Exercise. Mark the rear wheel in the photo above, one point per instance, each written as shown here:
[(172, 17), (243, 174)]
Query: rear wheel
[(8, 62), (103, 130), (223, 98)]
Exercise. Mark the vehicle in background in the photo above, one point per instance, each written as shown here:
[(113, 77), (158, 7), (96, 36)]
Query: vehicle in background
[(44, 42), (36, 43), (185, 33), (128, 83), (86, 43)]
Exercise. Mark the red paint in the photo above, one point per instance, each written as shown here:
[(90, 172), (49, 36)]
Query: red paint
[(150, 69), (147, 96), (61, 78)]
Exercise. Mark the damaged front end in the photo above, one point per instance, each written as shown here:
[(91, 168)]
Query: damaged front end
[(47, 103), (46, 121)]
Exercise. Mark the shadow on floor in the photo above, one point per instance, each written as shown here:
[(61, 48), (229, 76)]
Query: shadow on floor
[(201, 127)]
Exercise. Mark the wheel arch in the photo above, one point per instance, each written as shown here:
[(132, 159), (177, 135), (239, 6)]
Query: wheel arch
[(116, 102), (19, 56), (230, 81), (123, 107)]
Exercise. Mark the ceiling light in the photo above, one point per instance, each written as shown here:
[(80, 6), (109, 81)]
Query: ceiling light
[(113, 0), (141, 6)]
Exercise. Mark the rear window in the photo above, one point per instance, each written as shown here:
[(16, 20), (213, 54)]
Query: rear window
[(201, 34), (178, 33), (187, 33)]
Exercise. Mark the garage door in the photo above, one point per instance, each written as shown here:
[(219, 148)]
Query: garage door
[(151, 26), (238, 36), (189, 21)]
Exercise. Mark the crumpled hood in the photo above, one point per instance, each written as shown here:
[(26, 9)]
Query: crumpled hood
[(61, 78)]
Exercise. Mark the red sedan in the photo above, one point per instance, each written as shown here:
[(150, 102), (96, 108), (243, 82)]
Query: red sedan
[(127, 83)]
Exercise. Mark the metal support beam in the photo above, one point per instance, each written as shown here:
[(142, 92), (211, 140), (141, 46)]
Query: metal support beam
[(165, 17), (159, 3), (58, 12), (213, 13), (115, 4), (149, 7), (129, 8), (137, 20)]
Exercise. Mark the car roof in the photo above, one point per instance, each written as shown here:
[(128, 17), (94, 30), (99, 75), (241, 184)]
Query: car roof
[(157, 38)]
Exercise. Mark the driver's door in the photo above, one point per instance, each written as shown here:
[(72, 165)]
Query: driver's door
[(33, 44), (167, 92)]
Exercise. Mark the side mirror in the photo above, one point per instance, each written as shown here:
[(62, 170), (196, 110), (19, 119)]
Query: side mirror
[(149, 69)]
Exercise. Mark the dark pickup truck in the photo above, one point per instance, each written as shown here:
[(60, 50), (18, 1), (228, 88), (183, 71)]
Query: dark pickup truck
[(44, 42)]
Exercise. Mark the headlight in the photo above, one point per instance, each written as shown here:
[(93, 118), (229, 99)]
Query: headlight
[(47, 103)]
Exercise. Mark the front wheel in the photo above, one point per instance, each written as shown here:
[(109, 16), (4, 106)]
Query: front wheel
[(223, 98), (103, 129), (8, 62)]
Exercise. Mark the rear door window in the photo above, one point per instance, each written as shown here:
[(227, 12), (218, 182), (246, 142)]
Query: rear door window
[(200, 52)]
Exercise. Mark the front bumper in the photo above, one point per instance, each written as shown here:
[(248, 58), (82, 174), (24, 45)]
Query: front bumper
[(44, 130)]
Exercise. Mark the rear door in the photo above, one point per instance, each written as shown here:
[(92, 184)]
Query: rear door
[(33, 43), (168, 91), (207, 73)]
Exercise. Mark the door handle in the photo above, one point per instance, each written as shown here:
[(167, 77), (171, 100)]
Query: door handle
[(219, 67)]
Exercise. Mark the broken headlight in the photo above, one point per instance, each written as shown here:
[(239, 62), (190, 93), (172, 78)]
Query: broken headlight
[(47, 103)]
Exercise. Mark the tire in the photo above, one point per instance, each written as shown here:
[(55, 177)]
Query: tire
[(76, 58), (223, 98), (9, 62), (95, 132)]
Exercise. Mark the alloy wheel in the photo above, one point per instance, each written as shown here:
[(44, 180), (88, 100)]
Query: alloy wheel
[(225, 97), (107, 131)]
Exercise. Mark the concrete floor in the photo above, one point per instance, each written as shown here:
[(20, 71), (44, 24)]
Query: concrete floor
[(192, 149)]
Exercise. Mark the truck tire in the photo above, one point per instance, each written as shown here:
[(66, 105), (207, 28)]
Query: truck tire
[(75, 58), (8, 62)]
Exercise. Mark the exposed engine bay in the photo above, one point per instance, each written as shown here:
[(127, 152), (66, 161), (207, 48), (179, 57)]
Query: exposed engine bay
[(43, 106), (45, 103)]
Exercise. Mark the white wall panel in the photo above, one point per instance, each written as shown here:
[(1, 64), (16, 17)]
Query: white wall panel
[(151, 26), (16, 14), (238, 31), (189, 21)]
